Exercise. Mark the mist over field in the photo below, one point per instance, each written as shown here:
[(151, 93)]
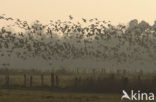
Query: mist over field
[(89, 43)]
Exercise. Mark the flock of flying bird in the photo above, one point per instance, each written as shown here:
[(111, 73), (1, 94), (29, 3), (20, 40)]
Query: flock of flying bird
[(67, 40)]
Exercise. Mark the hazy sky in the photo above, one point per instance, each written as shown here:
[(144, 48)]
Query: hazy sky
[(118, 11)]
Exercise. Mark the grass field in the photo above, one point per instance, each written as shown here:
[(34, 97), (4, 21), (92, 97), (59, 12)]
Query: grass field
[(14, 95), (48, 96)]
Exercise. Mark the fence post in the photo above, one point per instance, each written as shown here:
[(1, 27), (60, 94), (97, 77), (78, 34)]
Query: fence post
[(124, 72), (94, 72), (25, 80), (125, 82), (31, 78), (76, 82), (139, 82), (79, 81), (7, 79), (139, 78), (42, 80), (103, 70), (118, 72), (57, 81), (77, 71), (52, 80)]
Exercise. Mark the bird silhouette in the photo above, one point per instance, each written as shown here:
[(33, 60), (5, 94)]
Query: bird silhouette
[(70, 17), (84, 20)]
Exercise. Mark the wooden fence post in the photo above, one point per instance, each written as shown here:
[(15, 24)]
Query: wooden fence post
[(103, 70), (118, 72), (139, 78), (42, 80), (25, 80), (57, 81), (139, 85), (76, 82), (7, 79), (77, 70), (125, 82), (124, 72), (79, 82), (52, 80), (31, 78), (94, 72)]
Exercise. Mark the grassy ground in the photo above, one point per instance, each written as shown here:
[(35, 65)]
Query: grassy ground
[(48, 96)]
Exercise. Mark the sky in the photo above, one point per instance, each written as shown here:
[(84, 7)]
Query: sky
[(117, 11)]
